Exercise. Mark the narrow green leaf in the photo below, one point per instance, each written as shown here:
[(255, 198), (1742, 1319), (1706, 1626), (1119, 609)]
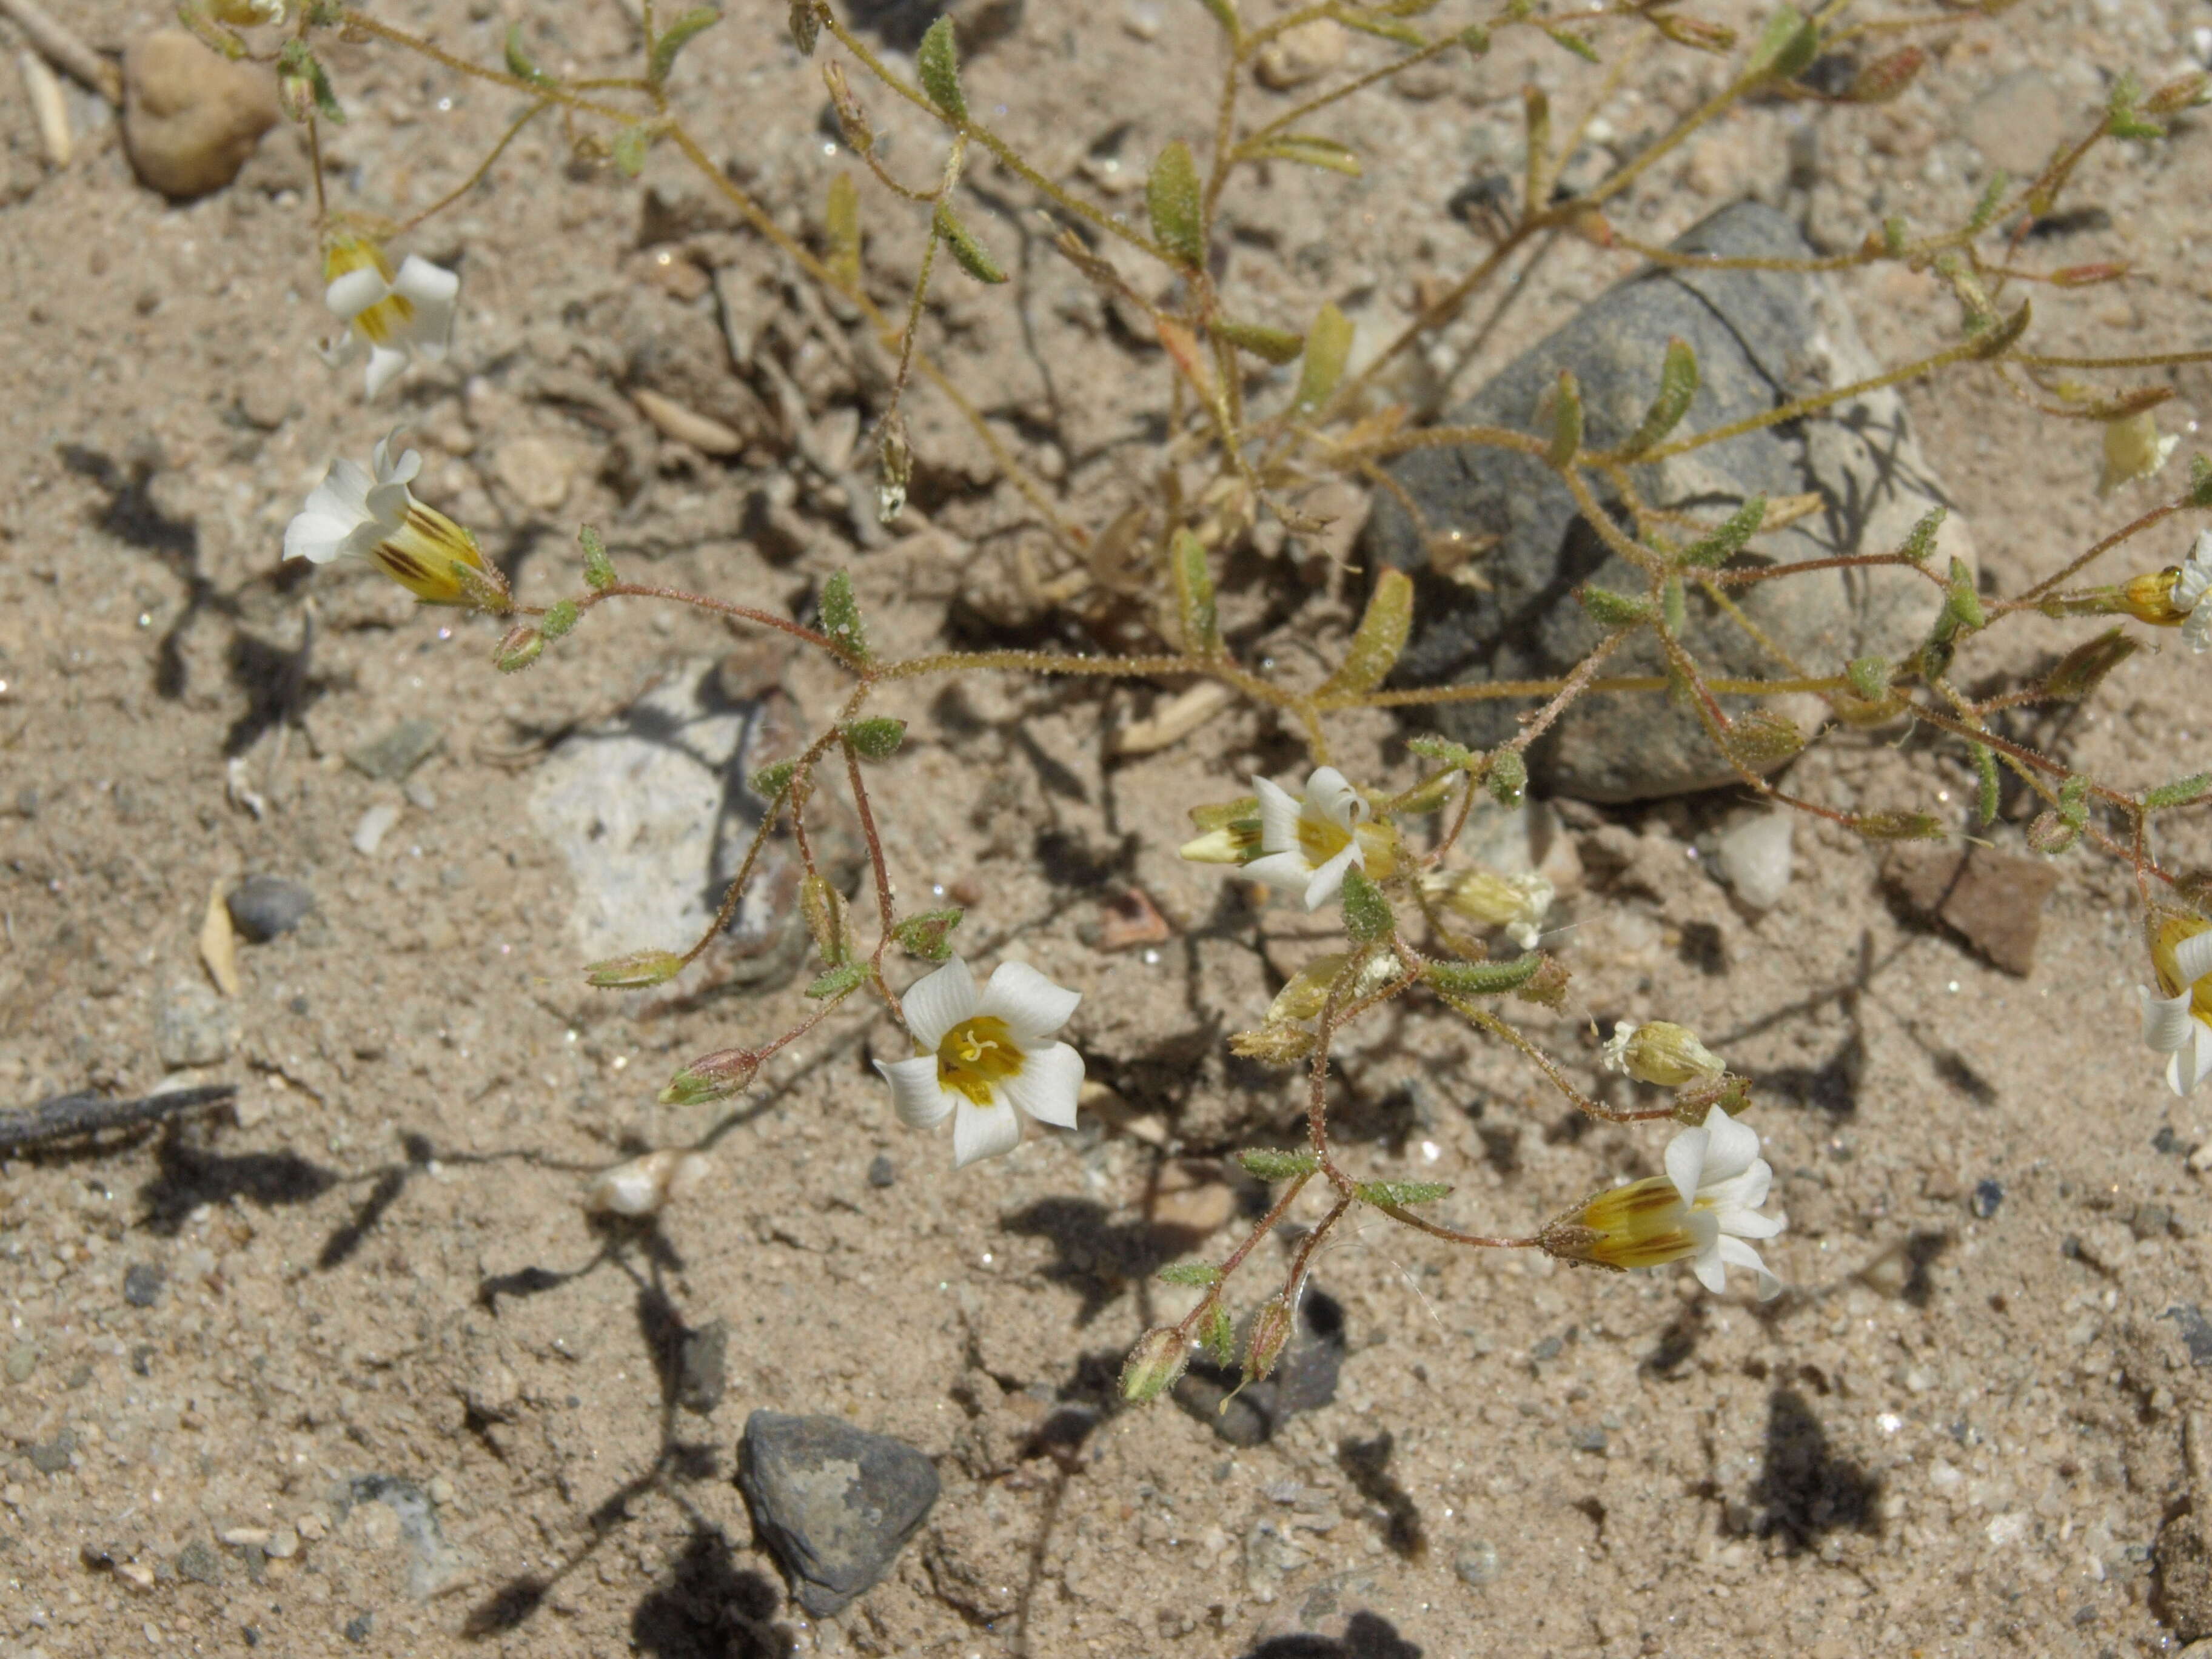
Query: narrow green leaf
[(1191, 1273), (1674, 607), (2081, 669), (1922, 542), (838, 980), (877, 737), (518, 60), (2183, 792), (1272, 345), (1612, 609), (1985, 769), (924, 935), (840, 224), (1383, 28), (631, 146), (635, 970), (1581, 46), (1785, 46), (975, 258), (1483, 979), (1992, 198), (937, 63), (1172, 198), (1306, 149), (1401, 1193), (1266, 1164), (841, 615), (1367, 915), (1328, 343), (677, 36), (1677, 385), (1711, 551), (1194, 584), (770, 781), (599, 569), (1381, 637)]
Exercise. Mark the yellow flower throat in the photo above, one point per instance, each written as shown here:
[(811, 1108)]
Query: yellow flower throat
[(975, 1056), (2166, 940)]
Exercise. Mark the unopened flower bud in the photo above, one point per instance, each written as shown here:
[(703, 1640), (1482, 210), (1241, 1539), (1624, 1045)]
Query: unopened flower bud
[(521, 645), (1661, 1052), (643, 1185), (1270, 1335), (1154, 1363), (1230, 833), (716, 1077)]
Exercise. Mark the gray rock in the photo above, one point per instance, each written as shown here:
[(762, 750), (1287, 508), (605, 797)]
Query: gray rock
[(142, 1283), (194, 1026), (52, 1456), (834, 1504), (1760, 337), (262, 907), (881, 1172), (652, 813), (199, 1564), (432, 1563), (398, 751), (1304, 1379)]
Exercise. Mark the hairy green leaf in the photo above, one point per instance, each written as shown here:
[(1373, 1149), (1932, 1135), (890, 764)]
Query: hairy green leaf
[(1272, 345), (1194, 584), (1264, 1163), (877, 737), (518, 60), (599, 569), (1328, 343), (1307, 149), (1172, 198), (1483, 979), (634, 970), (1400, 1193), (1367, 918), (1714, 550), (2183, 792), (1381, 637), (1677, 385), (677, 36), (841, 615), (926, 935), (937, 61), (975, 258), (1191, 1273), (838, 980)]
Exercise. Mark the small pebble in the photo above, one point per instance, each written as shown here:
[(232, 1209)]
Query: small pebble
[(368, 834), (882, 1171), (197, 1562), (703, 1371), (358, 1627), (1588, 1440), (1987, 1195), (194, 1026), (263, 907), (1754, 858), (283, 1544), (22, 1360), (1477, 1564), (142, 1284), (397, 752)]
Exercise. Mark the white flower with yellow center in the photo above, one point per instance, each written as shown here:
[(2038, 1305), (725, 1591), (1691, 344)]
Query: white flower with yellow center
[(356, 513), (1306, 845), (396, 315), (1701, 1211), (981, 1056), (2180, 1022)]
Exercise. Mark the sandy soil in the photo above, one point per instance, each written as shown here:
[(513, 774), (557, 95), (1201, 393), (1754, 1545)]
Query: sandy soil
[(1958, 1433)]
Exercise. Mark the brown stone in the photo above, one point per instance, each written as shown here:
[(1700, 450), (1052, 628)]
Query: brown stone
[(191, 117), (1993, 899)]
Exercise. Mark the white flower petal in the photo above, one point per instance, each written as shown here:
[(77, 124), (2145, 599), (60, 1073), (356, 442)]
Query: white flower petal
[(917, 1097), (1746, 1191), (1711, 1271), (1327, 882), (430, 288), (1523, 933), (1333, 798), (2192, 957), (384, 366), (1749, 1224), (981, 1132), (1031, 1005), (2192, 1062), (1685, 1159), (1278, 818), (2197, 629), (349, 296), (1048, 1085), (316, 537), (937, 1001), (1288, 871), (404, 470), (1734, 1148), (2166, 1020), (1737, 1254)]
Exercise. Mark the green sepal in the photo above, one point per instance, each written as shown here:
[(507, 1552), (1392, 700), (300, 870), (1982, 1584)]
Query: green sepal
[(875, 738), (294, 60), (599, 569), (926, 934), (772, 780), (1506, 777), (1922, 542), (1368, 918), (559, 618), (1381, 635), (1566, 421), (1219, 1337)]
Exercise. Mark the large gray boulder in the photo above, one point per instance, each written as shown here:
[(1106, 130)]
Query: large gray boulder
[(1761, 339)]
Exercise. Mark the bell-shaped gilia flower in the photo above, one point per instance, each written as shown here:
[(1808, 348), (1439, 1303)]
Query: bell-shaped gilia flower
[(2180, 1021), (1661, 1052), (359, 513), (1701, 1211), (2175, 597), (395, 315), (1307, 844), (980, 1056)]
